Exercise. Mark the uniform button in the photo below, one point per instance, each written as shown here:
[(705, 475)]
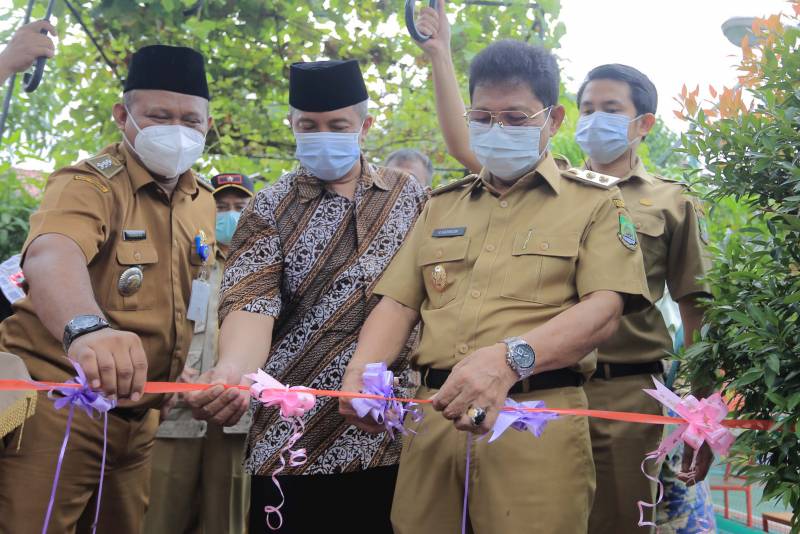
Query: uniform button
[(439, 253), (179, 315), (638, 226), (544, 246), (503, 204), (490, 248), (475, 293), (463, 348), (175, 242), (137, 256)]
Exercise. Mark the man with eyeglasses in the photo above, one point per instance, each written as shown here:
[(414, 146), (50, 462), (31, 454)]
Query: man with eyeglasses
[(517, 274)]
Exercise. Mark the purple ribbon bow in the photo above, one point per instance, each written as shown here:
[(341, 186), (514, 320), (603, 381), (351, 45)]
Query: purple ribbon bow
[(519, 419), (90, 402), (378, 380)]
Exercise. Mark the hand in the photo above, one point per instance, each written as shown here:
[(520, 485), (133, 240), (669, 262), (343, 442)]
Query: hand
[(352, 381), (434, 22), (25, 46), (187, 376), (481, 380), (705, 457), (216, 404), (114, 362)]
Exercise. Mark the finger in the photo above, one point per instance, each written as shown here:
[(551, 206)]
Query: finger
[(40, 25), (440, 7), (227, 414), (449, 391), (200, 399), (124, 365), (139, 361), (222, 401), (88, 362), (459, 406), (108, 372)]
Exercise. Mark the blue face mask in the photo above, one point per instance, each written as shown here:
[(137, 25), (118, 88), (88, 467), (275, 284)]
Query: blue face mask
[(508, 152), (226, 226), (328, 155), (603, 136)]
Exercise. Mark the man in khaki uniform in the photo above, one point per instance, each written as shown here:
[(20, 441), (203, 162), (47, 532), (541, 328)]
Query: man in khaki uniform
[(617, 105), (198, 483), (517, 274), (110, 260)]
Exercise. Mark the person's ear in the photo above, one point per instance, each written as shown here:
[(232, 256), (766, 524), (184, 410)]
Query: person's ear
[(120, 115), (209, 125), (368, 122), (645, 124), (557, 114)]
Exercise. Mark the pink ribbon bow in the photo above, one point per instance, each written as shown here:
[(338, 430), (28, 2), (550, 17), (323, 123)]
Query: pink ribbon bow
[(293, 401), (703, 421), (703, 425)]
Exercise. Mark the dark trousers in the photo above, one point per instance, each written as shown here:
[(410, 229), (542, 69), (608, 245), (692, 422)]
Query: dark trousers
[(356, 503)]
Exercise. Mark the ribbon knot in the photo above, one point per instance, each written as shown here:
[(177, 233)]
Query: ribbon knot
[(293, 401), (387, 411), (515, 416)]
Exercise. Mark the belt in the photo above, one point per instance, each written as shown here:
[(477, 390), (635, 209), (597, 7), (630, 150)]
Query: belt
[(560, 378), (607, 371)]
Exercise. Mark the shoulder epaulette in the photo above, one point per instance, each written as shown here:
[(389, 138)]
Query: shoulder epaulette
[(458, 184), (204, 183), (105, 164), (596, 179)]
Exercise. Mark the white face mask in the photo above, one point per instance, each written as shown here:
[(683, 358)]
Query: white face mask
[(328, 155), (508, 152), (167, 150)]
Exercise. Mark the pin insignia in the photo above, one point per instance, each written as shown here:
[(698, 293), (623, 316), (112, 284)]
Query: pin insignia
[(439, 277), (130, 281)]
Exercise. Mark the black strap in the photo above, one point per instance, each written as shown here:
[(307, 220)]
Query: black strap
[(608, 371), (561, 378)]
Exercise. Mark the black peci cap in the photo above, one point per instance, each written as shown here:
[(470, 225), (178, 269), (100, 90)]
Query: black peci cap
[(326, 85), (168, 68)]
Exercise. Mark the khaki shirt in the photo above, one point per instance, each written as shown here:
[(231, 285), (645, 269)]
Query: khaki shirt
[(673, 235), (179, 422), (95, 203), (509, 263)]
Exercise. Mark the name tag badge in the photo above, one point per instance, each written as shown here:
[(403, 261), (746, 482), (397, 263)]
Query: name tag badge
[(134, 235), (198, 301), (449, 232)]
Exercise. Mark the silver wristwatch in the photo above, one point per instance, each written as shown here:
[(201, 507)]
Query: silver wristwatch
[(520, 356)]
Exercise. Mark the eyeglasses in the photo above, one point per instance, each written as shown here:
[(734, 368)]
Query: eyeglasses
[(502, 118)]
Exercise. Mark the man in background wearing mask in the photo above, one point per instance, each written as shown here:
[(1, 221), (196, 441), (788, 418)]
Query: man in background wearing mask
[(110, 261), (518, 274), (197, 483), (298, 285), (617, 106)]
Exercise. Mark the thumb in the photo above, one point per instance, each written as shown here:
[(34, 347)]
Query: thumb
[(440, 7)]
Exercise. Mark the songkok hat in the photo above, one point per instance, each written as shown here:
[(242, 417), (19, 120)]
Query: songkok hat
[(326, 85), (168, 68)]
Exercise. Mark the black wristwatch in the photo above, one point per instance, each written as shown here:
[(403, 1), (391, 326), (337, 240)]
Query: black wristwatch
[(80, 325)]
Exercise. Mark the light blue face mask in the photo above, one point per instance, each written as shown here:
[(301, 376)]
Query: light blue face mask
[(226, 225), (508, 152), (603, 136), (328, 155)]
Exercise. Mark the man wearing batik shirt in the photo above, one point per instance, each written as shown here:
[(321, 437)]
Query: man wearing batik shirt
[(297, 288)]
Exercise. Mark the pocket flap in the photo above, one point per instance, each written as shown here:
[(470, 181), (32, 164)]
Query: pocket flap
[(562, 245), (441, 250), (136, 253), (648, 224)]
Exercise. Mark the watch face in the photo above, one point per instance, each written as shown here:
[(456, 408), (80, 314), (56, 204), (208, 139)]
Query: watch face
[(83, 321), (524, 356)]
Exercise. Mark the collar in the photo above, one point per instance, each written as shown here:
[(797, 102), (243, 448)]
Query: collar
[(638, 171), (546, 169), (140, 176), (310, 187)]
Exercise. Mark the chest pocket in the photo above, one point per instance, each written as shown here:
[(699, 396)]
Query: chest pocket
[(443, 264), (130, 256), (650, 228), (541, 268)]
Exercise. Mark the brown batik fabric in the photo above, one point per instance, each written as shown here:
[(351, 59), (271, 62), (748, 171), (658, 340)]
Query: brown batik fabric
[(311, 258)]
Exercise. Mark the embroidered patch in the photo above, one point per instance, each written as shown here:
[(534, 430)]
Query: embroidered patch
[(91, 180), (627, 232), (618, 202)]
